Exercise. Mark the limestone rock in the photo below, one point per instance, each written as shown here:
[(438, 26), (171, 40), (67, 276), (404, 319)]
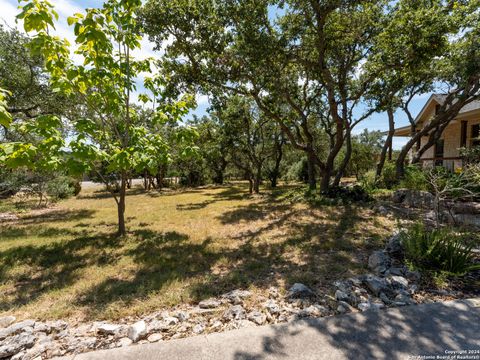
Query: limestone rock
[(394, 245), (235, 312), (379, 261), (7, 321), (137, 331), (108, 329), (272, 307), (398, 282), (198, 329), (16, 344), (257, 317), (209, 304), (376, 284), (154, 337), (236, 296), (300, 291), (124, 342)]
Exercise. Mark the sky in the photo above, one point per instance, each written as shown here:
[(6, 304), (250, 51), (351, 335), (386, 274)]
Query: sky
[(66, 8)]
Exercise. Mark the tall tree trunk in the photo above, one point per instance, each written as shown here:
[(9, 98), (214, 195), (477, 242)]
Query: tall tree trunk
[(250, 185), (121, 205), (346, 159), (388, 143), (312, 182), (257, 179)]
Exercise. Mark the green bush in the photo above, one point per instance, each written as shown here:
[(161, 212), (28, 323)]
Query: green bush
[(367, 181), (63, 187), (438, 250), (415, 178)]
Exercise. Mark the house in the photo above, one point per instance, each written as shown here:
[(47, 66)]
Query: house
[(463, 131)]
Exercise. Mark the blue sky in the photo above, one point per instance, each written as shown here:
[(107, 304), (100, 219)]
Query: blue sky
[(66, 8)]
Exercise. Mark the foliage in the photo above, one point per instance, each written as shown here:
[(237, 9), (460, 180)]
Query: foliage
[(63, 187), (471, 155), (366, 148), (110, 133), (415, 178), (439, 250)]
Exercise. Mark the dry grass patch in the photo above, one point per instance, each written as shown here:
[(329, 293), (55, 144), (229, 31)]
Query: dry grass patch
[(182, 247)]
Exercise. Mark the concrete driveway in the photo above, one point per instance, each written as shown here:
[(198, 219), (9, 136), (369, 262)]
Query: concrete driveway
[(413, 332)]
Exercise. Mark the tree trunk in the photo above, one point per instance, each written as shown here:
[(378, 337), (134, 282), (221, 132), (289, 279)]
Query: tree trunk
[(346, 160), (325, 181), (388, 143), (121, 206), (250, 185), (256, 180), (312, 182)]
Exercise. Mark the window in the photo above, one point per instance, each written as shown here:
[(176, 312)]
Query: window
[(463, 134), (439, 148), (476, 135)]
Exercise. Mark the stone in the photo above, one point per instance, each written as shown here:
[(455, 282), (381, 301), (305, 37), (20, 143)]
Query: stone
[(315, 310), (7, 321), (394, 245), (42, 328), (272, 307), (273, 293), (376, 284), (209, 304), (398, 271), (344, 307), (154, 337), (398, 282), (170, 320), (257, 317), (182, 315), (125, 341), (198, 329), (364, 306), (235, 312), (385, 299), (376, 306), (300, 291), (108, 329), (216, 325), (344, 286), (58, 325), (404, 297), (16, 328), (137, 331), (379, 261), (236, 296), (158, 325), (341, 296), (16, 344)]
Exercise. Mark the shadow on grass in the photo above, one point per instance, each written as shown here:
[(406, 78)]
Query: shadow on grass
[(56, 216), (201, 268)]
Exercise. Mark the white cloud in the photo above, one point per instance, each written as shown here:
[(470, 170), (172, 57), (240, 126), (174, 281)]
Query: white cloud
[(8, 13)]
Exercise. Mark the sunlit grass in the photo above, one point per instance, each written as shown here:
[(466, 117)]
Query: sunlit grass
[(181, 247)]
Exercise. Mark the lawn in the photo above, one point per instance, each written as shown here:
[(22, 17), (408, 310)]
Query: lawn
[(182, 247)]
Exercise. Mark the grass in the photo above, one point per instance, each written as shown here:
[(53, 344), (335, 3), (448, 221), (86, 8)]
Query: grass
[(182, 247)]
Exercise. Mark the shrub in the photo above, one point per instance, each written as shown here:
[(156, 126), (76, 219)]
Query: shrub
[(355, 193), (438, 250), (367, 181), (63, 187), (415, 178)]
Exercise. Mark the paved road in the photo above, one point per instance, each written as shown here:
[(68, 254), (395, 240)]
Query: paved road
[(430, 329)]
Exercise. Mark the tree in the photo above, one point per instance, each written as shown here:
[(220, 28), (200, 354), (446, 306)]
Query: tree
[(110, 133), (248, 132), (212, 144)]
